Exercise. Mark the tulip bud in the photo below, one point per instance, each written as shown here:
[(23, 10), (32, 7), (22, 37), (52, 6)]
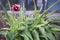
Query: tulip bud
[(16, 7)]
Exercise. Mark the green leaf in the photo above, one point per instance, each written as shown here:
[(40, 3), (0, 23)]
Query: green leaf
[(21, 15), (50, 36), (35, 35), (54, 19), (43, 32), (25, 37), (9, 5), (51, 13), (28, 34)]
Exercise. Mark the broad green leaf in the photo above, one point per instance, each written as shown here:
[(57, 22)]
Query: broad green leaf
[(28, 34), (50, 36), (43, 32), (35, 35), (25, 37)]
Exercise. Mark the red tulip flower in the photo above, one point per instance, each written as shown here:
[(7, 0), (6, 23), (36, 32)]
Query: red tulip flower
[(16, 7)]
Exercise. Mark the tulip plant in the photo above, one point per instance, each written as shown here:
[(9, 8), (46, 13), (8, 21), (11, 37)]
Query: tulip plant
[(36, 26)]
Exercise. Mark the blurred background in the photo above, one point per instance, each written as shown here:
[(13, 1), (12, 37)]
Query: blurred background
[(28, 3)]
